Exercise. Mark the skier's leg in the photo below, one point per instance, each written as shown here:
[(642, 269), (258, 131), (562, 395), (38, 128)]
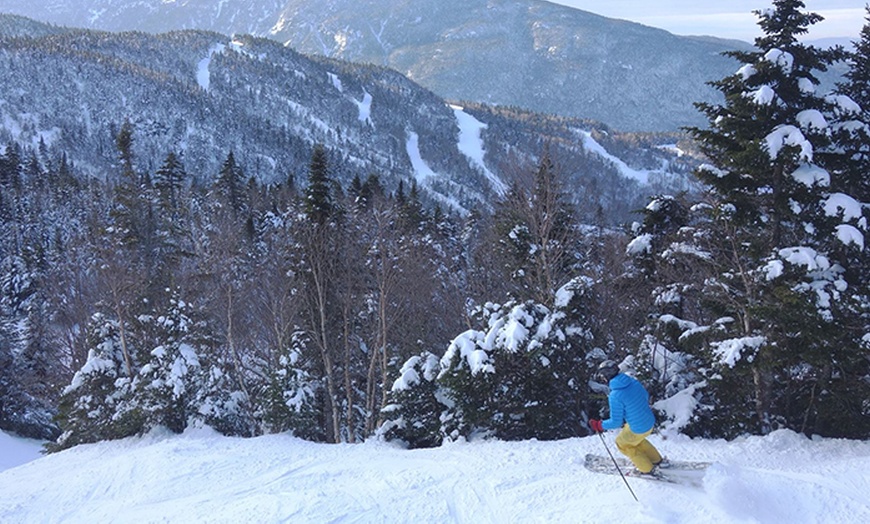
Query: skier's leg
[(649, 451), (629, 443)]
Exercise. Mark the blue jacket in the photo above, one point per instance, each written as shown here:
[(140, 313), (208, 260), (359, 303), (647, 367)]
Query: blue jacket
[(629, 403)]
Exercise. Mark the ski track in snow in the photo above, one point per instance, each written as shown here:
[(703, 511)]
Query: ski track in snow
[(592, 146), (200, 476), (422, 171), (365, 107), (424, 174), (336, 82), (471, 145), (203, 77)]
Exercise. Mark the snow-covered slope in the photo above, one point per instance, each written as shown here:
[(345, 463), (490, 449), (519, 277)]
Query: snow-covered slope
[(202, 477), (15, 451)]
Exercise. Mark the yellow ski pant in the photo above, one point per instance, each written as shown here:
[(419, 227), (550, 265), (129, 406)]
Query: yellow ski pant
[(638, 449)]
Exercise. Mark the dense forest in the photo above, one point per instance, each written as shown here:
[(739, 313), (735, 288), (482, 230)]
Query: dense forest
[(157, 297)]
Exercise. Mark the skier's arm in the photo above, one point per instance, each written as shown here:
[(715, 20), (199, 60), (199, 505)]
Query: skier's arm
[(617, 413)]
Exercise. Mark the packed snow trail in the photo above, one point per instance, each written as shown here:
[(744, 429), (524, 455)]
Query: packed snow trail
[(15, 451), (203, 477)]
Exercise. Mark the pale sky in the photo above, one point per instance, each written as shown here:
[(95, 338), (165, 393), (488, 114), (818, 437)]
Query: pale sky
[(725, 18)]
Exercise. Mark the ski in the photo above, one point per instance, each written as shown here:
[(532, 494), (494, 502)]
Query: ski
[(678, 472)]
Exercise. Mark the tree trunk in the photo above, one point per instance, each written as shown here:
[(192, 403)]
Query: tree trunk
[(348, 378), (761, 381), (237, 361), (118, 303), (323, 341)]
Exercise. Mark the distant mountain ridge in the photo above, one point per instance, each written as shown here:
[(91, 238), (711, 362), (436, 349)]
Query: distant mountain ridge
[(525, 53), (202, 95)]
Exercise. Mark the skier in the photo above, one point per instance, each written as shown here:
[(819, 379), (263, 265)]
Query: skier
[(629, 410)]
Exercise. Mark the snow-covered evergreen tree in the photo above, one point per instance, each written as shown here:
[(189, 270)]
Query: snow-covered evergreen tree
[(25, 360), (416, 411), (664, 248), (172, 382), (769, 237), (289, 399), (99, 402), (225, 405), (847, 211), (170, 219), (523, 375)]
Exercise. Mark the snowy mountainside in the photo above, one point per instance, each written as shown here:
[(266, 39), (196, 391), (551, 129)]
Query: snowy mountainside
[(526, 53), (200, 476), (16, 26), (205, 94), (154, 16), (533, 54)]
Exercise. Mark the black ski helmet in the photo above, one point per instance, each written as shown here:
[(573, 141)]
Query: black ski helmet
[(607, 370)]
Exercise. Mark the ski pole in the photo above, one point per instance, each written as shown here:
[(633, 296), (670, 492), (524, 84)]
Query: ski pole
[(617, 466)]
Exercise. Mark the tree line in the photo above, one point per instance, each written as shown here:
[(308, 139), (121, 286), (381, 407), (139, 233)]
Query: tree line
[(150, 298)]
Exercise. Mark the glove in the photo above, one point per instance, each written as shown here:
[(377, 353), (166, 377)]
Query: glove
[(595, 424)]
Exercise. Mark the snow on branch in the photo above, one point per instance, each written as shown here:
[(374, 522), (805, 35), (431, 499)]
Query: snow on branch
[(812, 119), (710, 168), (515, 330), (850, 235), (686, 249), (843, 104), (838, 203), (806, 85), (680, 408), (780, 58), (811, 175), (641, 244), (728, 352), (763, 96), (747, 71), (467, 345), (804, 256), (788, 135), (408, 375)]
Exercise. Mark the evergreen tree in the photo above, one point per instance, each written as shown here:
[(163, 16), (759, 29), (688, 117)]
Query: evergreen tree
[(371, 191), (290, 396), (11, 169), (230, 183), (321, 265), (414, 414), (133, 215), (98, 404), (169, 182), (355, 192), (319, 204), (856, 86), (774, 289), (851, 114), (848, 161), (170, 220), (172, 383), (124, 144), (26, 379), (411, 212), (524, 374)]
